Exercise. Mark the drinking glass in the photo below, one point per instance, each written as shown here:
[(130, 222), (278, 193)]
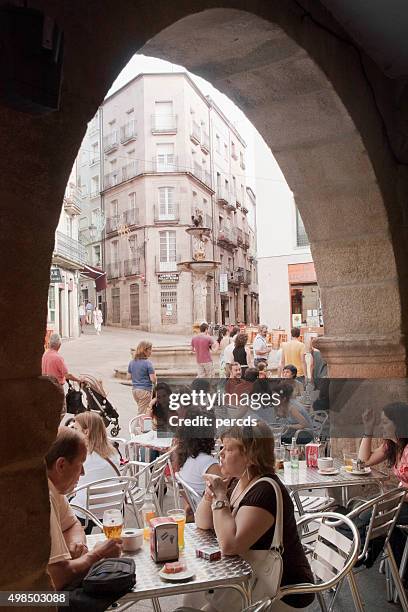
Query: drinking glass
[(179, 515), (112, 523), (279, 457), (348, 460)]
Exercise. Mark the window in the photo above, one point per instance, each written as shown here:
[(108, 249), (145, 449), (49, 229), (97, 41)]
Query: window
[(131, 153), (132, 200), (234, 186), (134, 304), (217, 143), (51, 304), (95, 216), (225, 150), (95, 186), (165, 159), (164, 118), (115, 293), (241, 160), (112, 124), (130, 111), (96, 259), (115, 251), (167, 207), (301, 237), (114, 208), (113, 164), (218, 181), (94, 152), (233, 151), (168, 302), (168, 251)]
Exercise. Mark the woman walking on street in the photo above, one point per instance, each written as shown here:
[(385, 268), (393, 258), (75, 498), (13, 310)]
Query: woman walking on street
[(98, 320), (241, 353), (143, 376)]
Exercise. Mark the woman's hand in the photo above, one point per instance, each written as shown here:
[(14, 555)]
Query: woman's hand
[(215, 486), (369, 419), (152, 403)]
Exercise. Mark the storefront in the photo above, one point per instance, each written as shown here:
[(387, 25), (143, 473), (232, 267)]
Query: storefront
[(305, 304)]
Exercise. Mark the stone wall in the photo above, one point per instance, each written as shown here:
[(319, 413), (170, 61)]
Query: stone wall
[(338, 128)]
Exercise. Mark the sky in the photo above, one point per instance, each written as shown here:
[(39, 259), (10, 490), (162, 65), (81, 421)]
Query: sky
[(264, 176)]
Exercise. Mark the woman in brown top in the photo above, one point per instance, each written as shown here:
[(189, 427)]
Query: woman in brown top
[(246, 518)]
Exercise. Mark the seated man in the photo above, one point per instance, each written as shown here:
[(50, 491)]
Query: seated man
[(290, 372), (70, 559)]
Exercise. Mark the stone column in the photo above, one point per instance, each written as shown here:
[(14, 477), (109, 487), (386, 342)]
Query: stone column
[(199, 297), (365, 358)]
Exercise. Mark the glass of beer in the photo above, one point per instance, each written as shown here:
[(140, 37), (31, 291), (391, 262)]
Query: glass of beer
[(349, 457), (112, 523), (179, 515)]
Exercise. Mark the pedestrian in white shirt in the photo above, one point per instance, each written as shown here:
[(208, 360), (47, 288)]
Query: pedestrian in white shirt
[(260, 346), (228, 357)]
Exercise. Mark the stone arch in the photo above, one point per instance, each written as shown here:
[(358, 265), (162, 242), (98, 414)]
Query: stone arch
[(343, 154)]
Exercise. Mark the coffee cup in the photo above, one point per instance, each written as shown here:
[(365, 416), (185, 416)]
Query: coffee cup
[(325, 463), (132, 539)]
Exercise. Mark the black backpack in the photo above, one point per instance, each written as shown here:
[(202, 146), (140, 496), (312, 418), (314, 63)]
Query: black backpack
[(105, 583), (74, 400)]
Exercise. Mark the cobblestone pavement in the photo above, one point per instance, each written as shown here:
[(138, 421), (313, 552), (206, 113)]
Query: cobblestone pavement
[(100, 355)]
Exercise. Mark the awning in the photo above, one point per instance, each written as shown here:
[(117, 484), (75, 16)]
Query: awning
[(98, 275)]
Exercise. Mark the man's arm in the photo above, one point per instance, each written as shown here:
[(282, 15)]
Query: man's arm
[(75, 539), (70, 571), (282, 363)]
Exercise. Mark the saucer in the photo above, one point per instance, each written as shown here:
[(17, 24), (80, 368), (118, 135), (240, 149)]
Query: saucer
[(362, 472), (179, 577), (330, 472)]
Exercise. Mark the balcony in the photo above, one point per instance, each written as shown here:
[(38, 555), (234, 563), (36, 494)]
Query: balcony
[(94, 159), (205, 142), (233, 277), (246, 240), (166, 214), (165, 163), (247, 277), (240, 237), (131, 217), (195, 132), (112, 223), (128, 132), (223, 198), (111, 179), (132, 266), (167, 266), (129, 171), (69, 249), (72, 199), (227, 236), (164, 124), (113, 270), (94, 193), (253, 288), (111, 142)]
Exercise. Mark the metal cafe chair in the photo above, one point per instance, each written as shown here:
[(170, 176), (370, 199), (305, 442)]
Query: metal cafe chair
[(384, 514), (404, 560), (192, 497), (110, 494), (331, 555)]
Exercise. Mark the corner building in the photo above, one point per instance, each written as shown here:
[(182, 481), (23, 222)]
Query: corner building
[(158, 168)]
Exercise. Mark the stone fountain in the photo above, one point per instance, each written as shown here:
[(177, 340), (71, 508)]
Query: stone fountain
[(199, 266)]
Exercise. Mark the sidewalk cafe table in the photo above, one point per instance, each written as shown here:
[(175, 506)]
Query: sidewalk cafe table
[(305, 478), (232, 572), (150, 441)]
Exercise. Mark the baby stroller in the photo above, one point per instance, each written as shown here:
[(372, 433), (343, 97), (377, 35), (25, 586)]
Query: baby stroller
[(97, 400)]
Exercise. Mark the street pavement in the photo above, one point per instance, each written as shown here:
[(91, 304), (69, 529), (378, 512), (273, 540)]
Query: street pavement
[(98, 356)]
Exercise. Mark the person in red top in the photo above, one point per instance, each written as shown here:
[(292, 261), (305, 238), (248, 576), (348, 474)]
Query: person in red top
[(201, 345), (53, 364)]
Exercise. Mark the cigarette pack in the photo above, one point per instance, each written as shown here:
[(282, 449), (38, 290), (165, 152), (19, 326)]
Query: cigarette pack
[(164, 539), (210, 553)]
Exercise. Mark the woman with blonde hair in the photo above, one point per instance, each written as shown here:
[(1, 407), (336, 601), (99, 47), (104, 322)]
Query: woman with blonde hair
[(102, 460), (143, 376), (241, 506)]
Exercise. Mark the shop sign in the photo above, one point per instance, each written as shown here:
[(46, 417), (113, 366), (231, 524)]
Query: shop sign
[(302, 273), (223, 282), (55, 275), (168, 277)]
